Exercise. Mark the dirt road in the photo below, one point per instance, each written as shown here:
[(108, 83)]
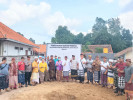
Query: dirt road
[(62, 91)]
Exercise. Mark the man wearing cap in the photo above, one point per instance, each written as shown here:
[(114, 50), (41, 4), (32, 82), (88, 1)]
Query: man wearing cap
[(52, 69), (89, 69), (74, 66), (55, 60), (66, 69), (81, 68)]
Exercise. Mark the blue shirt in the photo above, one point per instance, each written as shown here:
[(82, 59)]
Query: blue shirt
[(5, 70), (55, 60)]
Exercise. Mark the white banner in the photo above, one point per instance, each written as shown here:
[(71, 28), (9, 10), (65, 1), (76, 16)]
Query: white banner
[(62, 50)]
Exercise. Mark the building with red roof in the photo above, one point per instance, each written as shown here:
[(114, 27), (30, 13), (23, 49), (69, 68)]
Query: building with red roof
[(14, 44)]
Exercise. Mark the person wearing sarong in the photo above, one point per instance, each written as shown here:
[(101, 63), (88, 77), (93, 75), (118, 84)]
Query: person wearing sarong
[(97, 67), (74, 66), (115, 75), (52, 69), (28, 71), (81, 67), (4, 75), (66, 69), (121, 79), (104, 70), (59, 69), (42, 69), (21, 72), (55, 60), (89, 69), (35, 75), (13, 75), (129, 80), (110, 75)]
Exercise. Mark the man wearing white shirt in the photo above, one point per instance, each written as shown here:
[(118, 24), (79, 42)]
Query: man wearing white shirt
[(82, 63), (104, 69), (74, 66), (66, 69)]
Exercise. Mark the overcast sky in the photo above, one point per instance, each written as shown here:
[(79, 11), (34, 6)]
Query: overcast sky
[(40, 18)]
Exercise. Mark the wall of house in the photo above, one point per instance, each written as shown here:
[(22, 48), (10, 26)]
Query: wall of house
[(129, 55), (9, 49), (18, 58)]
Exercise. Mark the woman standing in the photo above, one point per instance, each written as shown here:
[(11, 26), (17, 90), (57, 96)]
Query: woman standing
[(4, 78), (35, 75), (59, 69), (13, 74), (21, 72), (43, 68)]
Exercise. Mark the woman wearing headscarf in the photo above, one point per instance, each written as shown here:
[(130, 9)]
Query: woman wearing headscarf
[(13, 74)]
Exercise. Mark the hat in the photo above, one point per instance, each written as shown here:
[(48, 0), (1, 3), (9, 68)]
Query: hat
[(36, 57), (110, 60), (40, 56), (89, 55)]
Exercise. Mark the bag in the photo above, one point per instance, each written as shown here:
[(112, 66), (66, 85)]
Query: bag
[(2, 68)]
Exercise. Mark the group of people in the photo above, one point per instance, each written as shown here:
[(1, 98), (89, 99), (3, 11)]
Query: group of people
[(107, 73)]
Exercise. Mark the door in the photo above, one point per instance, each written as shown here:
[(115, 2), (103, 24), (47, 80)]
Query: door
[(26, 52)]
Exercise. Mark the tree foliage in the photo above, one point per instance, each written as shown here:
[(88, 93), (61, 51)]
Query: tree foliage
[(103, 32), (32, 40)]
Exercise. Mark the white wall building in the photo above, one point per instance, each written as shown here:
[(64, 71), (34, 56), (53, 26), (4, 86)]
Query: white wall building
[(14, 44)]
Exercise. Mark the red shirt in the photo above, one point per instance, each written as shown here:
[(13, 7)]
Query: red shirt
[(21, 66), (121, 67)]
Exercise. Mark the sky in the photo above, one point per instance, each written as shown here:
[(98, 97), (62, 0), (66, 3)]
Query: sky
[(40, 19)]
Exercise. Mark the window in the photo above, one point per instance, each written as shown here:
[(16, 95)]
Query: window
[(17, 48), (21, 48), (29, 49)]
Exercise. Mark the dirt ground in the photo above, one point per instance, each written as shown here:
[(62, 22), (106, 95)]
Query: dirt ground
[(61, 91)]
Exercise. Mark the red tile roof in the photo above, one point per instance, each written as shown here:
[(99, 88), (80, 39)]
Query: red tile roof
[(124, 52), (93, 47), (41, 49), (8, 33)]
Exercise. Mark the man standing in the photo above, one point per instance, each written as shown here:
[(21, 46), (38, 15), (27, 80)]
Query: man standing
[(97, 67), (55, 60), (89, 69), (81, 68), (66, 69), (104, 70), (121, 79), (74, 66), (51, 68), (28, 71)]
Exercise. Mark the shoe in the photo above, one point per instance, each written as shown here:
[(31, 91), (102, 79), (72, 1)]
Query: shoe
[(30, 84), (26, 85), (115, 91), (0, 93)]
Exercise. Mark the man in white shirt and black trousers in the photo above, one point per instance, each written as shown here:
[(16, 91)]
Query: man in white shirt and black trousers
[(81, 67)]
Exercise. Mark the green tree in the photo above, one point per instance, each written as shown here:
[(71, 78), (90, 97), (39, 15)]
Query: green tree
[(99, 50), (32, 40), (78, 39), (63, 35)]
